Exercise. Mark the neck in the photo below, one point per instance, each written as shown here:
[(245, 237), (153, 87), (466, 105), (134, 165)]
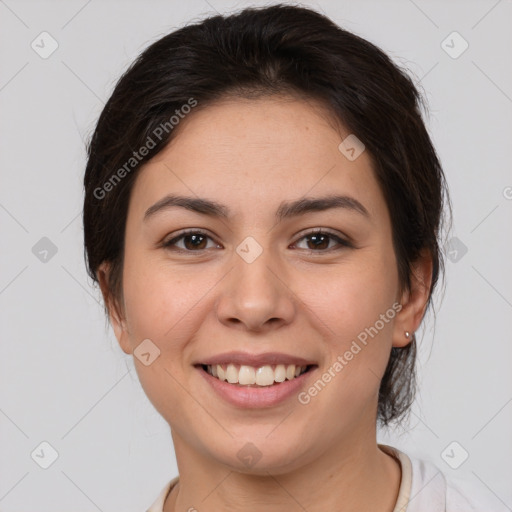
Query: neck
[(354, 477)]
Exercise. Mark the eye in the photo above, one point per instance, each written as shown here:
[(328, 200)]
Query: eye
[(320, 240), (193, 241)]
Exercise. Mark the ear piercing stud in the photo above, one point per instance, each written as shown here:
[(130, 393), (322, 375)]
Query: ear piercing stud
[(407, 334)]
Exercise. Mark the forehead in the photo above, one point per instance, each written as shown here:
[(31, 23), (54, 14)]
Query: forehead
[(249, 153)]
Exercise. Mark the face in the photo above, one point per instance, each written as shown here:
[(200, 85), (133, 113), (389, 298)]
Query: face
[(270, 277)]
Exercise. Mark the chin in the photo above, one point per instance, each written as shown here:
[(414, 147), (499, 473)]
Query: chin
[(260, 455)]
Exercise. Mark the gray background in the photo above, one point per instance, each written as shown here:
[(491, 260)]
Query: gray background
[(64, 379)]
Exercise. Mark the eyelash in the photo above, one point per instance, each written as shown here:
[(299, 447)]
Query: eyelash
[(169, 244)]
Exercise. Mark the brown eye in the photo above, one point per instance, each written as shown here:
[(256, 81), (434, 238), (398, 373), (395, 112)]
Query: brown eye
[(320, 241), (192, 241)]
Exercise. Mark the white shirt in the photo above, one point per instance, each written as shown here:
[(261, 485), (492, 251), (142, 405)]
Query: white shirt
[(423, 488)]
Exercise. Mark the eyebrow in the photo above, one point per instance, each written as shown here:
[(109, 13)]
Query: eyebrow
[(286, 210)]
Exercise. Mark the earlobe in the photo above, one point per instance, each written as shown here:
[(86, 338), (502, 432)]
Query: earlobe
[(414, 301), (121, 334), (116, 319)]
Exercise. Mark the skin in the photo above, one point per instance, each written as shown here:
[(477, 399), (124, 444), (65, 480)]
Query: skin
[(251, 155)]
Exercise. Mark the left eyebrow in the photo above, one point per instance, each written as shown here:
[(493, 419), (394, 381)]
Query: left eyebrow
[(307, 205)]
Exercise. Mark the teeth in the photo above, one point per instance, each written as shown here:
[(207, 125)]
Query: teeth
[(264, 376), (232, 374), (249, 375), (280, 373)]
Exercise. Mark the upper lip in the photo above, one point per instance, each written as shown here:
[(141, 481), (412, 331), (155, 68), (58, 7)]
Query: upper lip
[(256, 360)]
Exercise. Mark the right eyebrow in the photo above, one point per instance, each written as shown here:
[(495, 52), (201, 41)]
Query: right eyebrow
[(198, 205)]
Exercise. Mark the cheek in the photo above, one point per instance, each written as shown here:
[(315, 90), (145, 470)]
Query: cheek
[(356, 308), (159, 305), (351, 296), (158, 299)]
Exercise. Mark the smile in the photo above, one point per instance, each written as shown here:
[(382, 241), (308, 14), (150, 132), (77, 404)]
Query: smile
[(257, 376)]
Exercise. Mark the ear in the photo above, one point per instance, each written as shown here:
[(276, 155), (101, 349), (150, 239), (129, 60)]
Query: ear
[(414, 301), (115, 312)]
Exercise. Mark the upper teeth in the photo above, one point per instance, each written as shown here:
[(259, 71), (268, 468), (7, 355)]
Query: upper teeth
[(262, 376)]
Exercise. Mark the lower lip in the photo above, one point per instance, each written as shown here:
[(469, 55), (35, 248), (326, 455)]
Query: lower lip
[(254, 397)]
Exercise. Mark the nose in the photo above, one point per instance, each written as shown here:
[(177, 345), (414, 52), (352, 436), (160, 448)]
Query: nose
[(256, 296)]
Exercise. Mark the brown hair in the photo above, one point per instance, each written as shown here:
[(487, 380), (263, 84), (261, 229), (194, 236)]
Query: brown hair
[(280, 49)]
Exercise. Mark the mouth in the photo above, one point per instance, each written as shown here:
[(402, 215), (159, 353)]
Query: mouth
[(254, 381), (255, 376)]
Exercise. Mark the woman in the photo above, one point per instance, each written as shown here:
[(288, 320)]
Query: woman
[(262, 212)]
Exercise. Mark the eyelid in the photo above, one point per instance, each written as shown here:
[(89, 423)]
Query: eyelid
[(190, 231), (314, 231), (342, 240)]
